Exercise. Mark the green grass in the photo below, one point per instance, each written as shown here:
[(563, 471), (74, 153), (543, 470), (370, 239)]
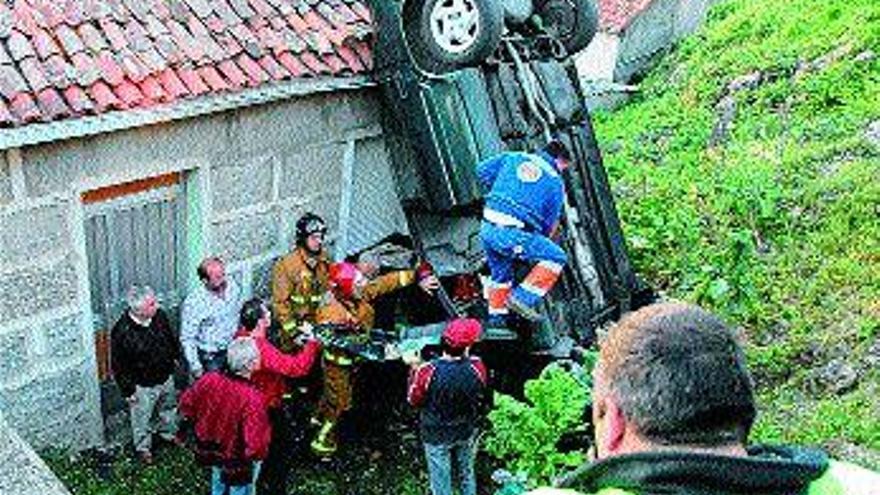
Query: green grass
[(777, 228)]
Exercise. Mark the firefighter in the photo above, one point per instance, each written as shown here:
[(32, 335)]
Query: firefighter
[(350, 307), (523, 202), (299, 280)]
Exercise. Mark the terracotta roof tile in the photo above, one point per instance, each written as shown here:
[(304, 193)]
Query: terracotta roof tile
[(6, 117), (11, 82), (154, 26), (233, 73), (294, 42), (225, 12), (213, 78), (87, 72), (262, 8), (152, 89), (7, 20), (114, 33), (68, 58), (69, 40), (242, 8), (255, 73), (33, 73), (59, 72), (52, 104), (337, 66), (138, 8), (110, 69), (104, 97), (132, 66), (314, 63), (616, 15), (137, 35), (44, 44), (228, 42), (92, 38), (200, 7), (24, 108), (78, 100), (273, 68), (365, 53), (73, 13), (24, 18), (193, 81), (128, 93), (298, 23), (172, 84), (168, 50), (293, 65), (362, 11), (19, 46), (351, 59)]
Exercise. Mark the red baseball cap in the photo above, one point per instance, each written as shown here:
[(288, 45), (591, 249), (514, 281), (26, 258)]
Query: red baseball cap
[(462, 332)]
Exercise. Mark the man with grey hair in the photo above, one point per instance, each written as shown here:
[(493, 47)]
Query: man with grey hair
[(144, 353), (673, 405), (209, 318), (230, 419)]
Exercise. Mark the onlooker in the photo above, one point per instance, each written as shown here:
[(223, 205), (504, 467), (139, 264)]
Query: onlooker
[(144, 354), (451, 392), (210, 317), (524, 198), (289, 418), (673, 403), (300, 279), (231, 423)]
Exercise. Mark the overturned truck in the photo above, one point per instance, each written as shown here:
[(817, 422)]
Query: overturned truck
[(461, 81)]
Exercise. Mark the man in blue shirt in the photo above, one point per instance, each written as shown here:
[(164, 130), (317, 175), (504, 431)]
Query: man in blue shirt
[(523, 203)]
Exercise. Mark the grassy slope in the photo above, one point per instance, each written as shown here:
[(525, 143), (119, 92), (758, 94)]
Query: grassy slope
[(777, 229)]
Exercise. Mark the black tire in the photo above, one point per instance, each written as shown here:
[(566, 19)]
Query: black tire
[(440, 43), (572, 22)]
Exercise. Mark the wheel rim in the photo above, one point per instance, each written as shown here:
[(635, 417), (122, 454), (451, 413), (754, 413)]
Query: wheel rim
[(455, 24)]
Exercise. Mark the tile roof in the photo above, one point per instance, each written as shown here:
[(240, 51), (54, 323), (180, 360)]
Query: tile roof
[(615, 15), (62, 59)]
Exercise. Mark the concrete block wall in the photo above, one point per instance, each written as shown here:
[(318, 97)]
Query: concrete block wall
[(252, 173)]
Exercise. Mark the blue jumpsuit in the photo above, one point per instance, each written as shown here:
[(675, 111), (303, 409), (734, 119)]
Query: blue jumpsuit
[(522, 207)]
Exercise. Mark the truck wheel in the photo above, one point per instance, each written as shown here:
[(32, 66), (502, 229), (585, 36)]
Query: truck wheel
[(444, 35), (572, 22)]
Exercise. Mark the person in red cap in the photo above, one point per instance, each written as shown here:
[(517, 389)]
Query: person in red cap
[(451, 393), (351, 306)]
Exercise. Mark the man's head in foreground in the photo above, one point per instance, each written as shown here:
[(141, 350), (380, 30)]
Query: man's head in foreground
[(671, 376)]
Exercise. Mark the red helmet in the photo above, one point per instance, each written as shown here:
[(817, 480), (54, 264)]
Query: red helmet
[(344, 277)]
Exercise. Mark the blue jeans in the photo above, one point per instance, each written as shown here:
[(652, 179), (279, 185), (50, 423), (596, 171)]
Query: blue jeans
[(441, 459), (220, 488)]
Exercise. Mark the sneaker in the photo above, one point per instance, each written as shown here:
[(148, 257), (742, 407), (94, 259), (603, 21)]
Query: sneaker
[(523, 309)]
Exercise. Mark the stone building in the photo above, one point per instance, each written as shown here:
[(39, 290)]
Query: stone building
[(138, 137), (632, 35)]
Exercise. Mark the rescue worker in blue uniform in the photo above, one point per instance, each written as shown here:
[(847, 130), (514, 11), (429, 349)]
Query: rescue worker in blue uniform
[(524, 196)]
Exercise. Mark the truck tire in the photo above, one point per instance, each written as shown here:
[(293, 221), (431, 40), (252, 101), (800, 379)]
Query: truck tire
[(572, 22), (444, 35)]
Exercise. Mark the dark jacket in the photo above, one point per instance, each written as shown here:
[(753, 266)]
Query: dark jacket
[(766, 471), (451, 394), (144, 356), (230, 419)]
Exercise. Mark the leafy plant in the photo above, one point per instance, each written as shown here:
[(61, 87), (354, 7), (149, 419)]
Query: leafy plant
[(524, 434)]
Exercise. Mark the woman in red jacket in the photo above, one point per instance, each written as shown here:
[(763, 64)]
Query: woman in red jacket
[(288, 418)]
